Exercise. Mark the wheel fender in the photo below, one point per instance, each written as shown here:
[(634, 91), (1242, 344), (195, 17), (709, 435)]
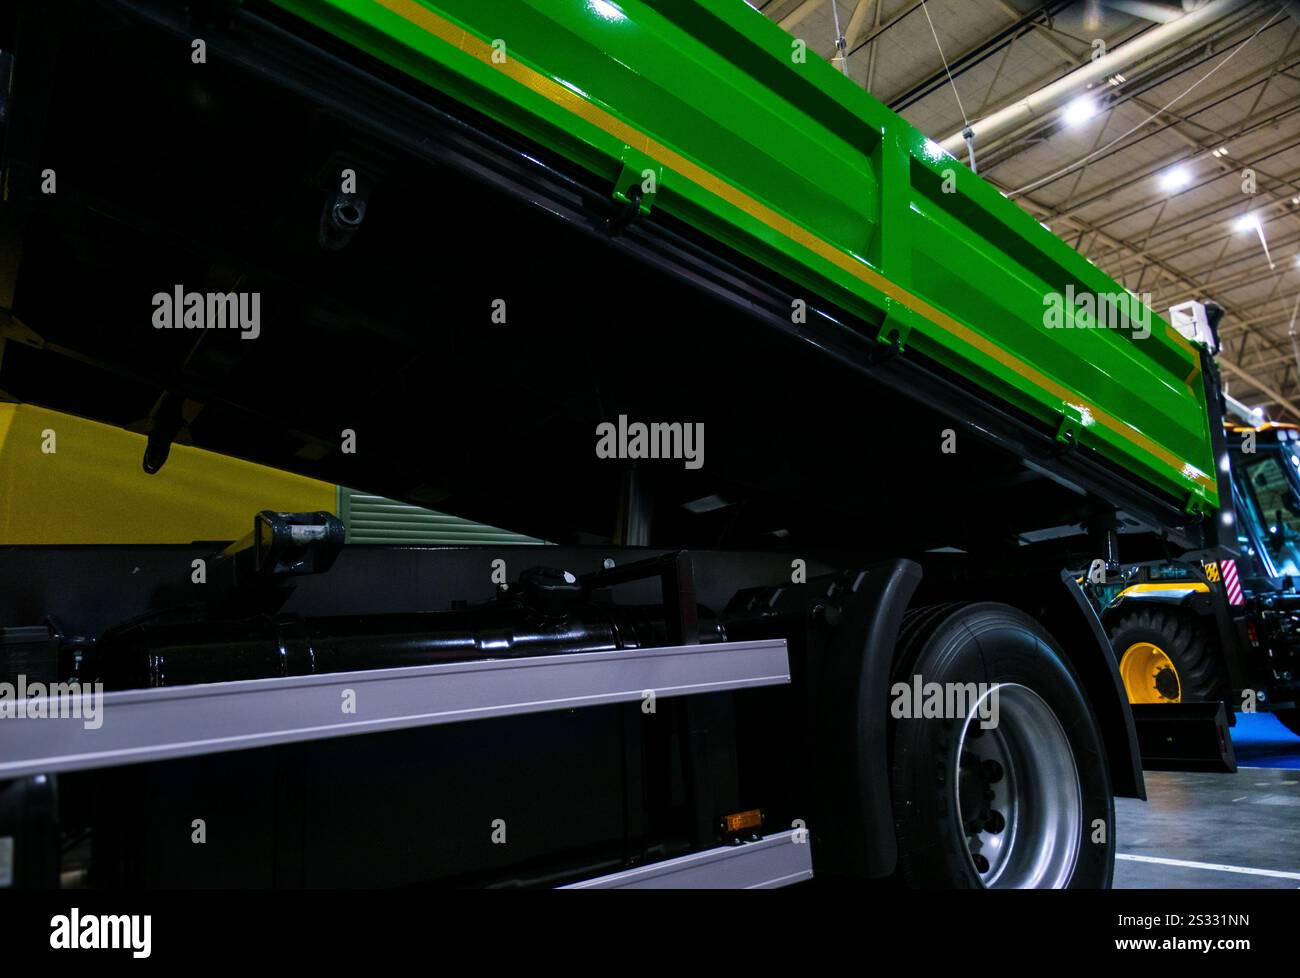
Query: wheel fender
[(1191, 599), (1065, 611)]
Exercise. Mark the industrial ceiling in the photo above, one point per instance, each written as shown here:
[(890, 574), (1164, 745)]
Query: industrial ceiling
[(1174, 165)]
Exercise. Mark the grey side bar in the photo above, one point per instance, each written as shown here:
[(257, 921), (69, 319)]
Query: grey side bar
[(184, 721), (777, 860)]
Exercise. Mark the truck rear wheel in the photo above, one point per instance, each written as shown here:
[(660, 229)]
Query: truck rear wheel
[(1015, 791), (1166, 657)]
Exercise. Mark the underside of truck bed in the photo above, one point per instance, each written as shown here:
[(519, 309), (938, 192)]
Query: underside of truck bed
[(218, 179), (454, 331)]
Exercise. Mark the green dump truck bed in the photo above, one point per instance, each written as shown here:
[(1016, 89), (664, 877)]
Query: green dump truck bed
[(768, 149)]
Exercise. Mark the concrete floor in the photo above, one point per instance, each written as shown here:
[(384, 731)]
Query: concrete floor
[(1243, 828)]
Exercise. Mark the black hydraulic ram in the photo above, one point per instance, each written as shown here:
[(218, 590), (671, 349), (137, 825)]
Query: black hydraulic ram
[(548, 612)]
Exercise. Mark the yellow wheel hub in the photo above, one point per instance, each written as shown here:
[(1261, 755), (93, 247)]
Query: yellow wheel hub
[(1149, 675)]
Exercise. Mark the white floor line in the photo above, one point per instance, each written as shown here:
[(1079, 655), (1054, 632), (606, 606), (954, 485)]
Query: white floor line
[(1217, 867)]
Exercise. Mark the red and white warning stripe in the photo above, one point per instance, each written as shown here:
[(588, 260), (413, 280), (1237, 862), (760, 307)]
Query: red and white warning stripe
[(1230, 582)]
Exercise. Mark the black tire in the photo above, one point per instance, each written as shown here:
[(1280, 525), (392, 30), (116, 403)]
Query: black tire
[(1185, 639), (997, 645), (1290, 719)]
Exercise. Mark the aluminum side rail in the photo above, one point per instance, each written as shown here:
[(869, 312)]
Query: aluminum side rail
[(186, 721), (774, 861)]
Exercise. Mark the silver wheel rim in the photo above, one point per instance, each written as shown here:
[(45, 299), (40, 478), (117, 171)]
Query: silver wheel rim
[(1018, 793)]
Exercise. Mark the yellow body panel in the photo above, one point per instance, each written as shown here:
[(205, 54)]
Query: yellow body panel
[(1163, 586), (1266, 426), (92, 488)]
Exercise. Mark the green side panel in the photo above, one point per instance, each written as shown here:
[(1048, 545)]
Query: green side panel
[(789, 162), (376, 519)]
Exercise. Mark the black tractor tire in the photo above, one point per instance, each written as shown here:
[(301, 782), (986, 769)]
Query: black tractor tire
[(1185, 638), (1050, 774), (1290, 719)]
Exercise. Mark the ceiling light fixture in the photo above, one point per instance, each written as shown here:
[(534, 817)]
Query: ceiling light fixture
[(1251, 222), (1080, 110), (1176, 178)]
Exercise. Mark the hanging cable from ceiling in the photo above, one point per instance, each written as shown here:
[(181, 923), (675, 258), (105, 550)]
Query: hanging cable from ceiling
[(841, 45), (967, 133)]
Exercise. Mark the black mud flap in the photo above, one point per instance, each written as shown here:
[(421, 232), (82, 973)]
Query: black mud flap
[(1185, 737), (854, 836)]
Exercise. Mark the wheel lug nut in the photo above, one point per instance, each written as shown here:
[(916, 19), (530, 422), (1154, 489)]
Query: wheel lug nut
[(991, 771)]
